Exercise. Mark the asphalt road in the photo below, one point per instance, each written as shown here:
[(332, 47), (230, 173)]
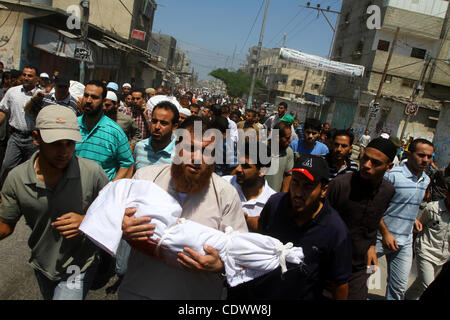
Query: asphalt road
[(17, 280)]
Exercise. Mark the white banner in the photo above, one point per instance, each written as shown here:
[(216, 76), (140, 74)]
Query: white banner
[(320, 63)]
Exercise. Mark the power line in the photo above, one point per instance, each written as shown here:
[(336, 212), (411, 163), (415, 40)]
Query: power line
[(282, 29), (305, 26), (254, 22), (12, 33), (437, 66), (126, 8), (10, 12)]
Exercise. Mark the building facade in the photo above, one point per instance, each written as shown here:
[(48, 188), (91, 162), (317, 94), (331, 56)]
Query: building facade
[(419, 63), (47, 34)]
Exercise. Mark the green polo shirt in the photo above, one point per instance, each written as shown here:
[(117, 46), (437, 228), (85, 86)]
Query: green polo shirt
[(24, 194), (105, 144)]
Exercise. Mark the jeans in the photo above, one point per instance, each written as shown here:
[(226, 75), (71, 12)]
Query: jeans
[(18, 150), (398, 267), (123, 253), (426, 272), (70, 287)]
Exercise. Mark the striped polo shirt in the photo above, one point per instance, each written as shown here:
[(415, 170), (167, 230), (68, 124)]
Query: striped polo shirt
[(404, 206), (145, 155), (106, 144), (350, 166)]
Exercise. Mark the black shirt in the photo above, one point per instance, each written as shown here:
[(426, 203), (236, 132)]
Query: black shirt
[(326, 245), (361, 207)]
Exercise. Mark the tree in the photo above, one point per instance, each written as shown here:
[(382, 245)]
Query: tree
[(237, 82)]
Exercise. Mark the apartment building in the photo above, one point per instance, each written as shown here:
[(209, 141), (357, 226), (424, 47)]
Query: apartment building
[(421, 52)]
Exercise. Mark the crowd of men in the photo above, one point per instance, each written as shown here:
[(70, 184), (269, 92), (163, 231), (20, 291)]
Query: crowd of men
[(59, 150)]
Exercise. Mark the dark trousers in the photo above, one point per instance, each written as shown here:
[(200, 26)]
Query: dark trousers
[(357, 285), (19, 149)]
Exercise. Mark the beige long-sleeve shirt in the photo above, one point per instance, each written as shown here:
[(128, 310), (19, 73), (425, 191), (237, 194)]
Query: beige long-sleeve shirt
[(218, 206), (432, 243)]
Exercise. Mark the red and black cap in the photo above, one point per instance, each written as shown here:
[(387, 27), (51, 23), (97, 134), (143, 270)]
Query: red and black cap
[(315, 168)]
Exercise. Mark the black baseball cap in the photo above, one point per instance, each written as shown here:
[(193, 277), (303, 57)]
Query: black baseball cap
[(315, 168), (61, 81)]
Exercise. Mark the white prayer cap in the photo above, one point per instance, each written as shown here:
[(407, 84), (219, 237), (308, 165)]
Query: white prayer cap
[(153, 101), (126, 85), (111, 96), (44, 75), (185, 111), (384, 135), (76, 89)]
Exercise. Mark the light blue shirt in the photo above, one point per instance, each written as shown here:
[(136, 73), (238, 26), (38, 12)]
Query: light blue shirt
[(404, 206), (299, 148), (145, 155)]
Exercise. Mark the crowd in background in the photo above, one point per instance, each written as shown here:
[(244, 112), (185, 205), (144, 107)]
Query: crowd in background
[(348, 208)]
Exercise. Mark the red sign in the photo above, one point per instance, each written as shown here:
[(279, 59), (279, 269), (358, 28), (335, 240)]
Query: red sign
[(138, 34), (411, 109)]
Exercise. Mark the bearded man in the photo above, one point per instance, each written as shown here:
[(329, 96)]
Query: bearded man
[(205, 198)]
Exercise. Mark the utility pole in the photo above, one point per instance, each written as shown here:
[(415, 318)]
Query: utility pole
[(232, 60), (84, 34), (417, 88), (261, 36), (383, 78), (284, 40), (322, 85)]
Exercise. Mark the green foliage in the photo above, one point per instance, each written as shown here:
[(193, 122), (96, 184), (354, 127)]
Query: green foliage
[(238, 82)]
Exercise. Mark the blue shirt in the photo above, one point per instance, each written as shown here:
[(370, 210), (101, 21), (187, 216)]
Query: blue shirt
[(300, 149), (326, 244), (404, 206), (105, 144), (145, 155)]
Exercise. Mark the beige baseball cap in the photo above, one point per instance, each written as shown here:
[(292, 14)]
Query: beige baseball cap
[(56, 122)]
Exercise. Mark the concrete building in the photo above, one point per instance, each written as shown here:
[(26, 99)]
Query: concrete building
[(288, 82), (45, 33), (423, 46), (182, 68)]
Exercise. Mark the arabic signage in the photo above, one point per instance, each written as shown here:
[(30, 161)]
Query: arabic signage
[(320, 63)]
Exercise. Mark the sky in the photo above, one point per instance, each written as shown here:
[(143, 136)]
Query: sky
[(210, 31)]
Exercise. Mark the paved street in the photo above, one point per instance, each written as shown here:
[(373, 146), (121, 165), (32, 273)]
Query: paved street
[(17, 280)]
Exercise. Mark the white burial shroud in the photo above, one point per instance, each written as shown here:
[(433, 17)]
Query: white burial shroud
[(246, 256)]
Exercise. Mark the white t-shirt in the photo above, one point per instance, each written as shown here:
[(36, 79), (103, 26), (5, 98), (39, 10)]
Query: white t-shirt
[(252, 207)]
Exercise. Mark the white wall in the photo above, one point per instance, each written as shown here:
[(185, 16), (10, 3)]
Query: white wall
[(435, 8), (406, 42)]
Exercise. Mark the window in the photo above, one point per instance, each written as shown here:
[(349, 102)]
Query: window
[(383, 45), (363, 111), (408, 83), (388, 79), (297, 82), (315, 86), (418, 53)]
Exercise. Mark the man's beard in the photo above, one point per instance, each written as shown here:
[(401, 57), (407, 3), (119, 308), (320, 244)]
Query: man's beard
[(112, 114), (189, 183)]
